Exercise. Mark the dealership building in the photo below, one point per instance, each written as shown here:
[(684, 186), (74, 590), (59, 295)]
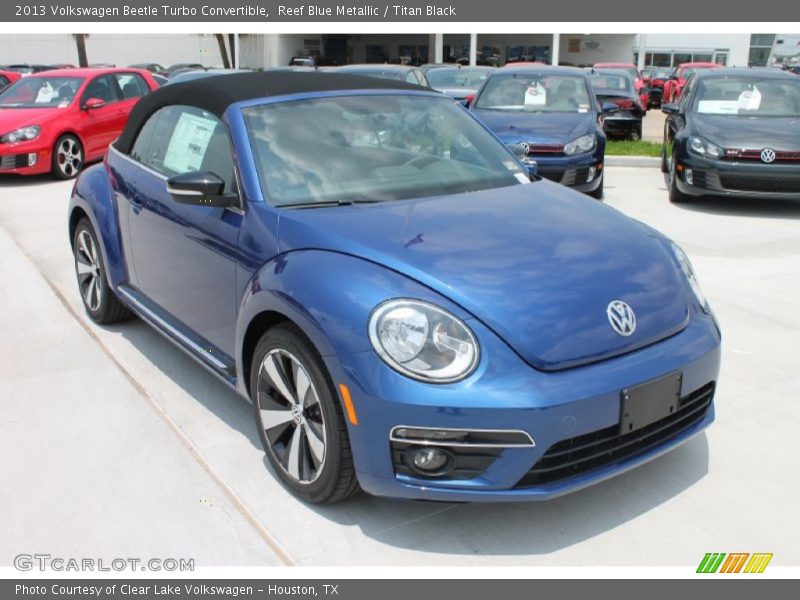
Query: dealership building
[(269, 50)]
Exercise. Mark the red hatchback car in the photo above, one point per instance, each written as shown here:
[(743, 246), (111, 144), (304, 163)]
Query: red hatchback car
[(57, 121), (638, 81), (674, 85), (7, 78)]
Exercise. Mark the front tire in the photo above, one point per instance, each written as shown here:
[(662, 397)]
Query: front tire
[(299, 418), (99, 300), (675, 195), (67, 157)]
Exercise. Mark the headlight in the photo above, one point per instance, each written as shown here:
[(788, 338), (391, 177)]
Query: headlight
[(24, 134), (423, 341), (585, 143), (688, 271), (704, 148)]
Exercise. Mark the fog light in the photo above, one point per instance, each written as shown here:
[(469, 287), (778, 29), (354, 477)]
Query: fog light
[(687, 175), (430, 461), (590, 176), (31, 159)]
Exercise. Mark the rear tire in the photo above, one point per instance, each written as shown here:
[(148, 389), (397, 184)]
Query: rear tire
[(299, 418), (99, 300)]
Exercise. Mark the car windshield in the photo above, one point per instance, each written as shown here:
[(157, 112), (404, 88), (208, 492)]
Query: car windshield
[(373, 148), (611, 83), (441, 79), (41, 92), (748, 97), (535, 93)]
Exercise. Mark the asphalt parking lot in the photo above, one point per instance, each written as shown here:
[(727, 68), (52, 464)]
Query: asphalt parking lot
[(116, 444)]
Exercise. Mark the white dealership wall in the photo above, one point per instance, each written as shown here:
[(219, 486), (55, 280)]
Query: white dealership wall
[(277, 49)]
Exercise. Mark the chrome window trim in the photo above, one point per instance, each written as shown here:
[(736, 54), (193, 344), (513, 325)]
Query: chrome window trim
[(394, 438)]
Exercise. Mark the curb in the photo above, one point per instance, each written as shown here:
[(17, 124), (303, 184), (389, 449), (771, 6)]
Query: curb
[(633, 161)]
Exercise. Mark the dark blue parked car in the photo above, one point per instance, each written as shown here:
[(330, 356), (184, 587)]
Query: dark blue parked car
[(407, 309), (555, 114)]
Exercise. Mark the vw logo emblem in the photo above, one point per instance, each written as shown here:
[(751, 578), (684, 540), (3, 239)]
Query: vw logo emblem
[(768, 155), (525, 146), (621, 317)]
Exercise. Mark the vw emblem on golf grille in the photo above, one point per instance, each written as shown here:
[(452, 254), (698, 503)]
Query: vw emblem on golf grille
[(621, 317), (768, 155), (525, 146)]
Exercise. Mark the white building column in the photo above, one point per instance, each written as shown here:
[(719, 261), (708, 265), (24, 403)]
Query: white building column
[(438, 42), (642, 50), (473, 49), (555, 49)]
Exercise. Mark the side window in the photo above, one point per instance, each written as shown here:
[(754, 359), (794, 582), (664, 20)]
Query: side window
[(142, 145), (3, 81), (103, 87), (132, 85), (412, 78), (183, 139), (423, 81)]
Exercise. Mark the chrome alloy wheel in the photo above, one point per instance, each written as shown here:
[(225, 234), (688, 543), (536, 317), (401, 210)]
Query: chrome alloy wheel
[(87, 265), (291, 416), (69, 157)]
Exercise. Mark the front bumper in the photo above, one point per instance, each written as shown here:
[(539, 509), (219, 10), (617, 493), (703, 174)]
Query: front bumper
[(583, 172), (507, 394), (25, 158), (741, 178)]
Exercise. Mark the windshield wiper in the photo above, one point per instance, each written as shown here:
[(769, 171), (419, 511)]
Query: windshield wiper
[(323, 203)]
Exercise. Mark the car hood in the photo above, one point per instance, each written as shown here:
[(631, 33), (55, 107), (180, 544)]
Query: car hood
[(749, 132), (14, 118), (542, 128), (536, 263)]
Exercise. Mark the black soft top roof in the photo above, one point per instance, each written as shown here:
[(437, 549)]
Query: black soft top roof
[(216, 94)]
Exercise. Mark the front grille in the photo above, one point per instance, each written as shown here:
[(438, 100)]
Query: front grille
[(553, 174), (13, 161), (751, 154), (761, 183), (545, 149), (584, 453)]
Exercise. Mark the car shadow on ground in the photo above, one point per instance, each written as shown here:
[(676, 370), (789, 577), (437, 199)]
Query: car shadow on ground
[(506, 529)]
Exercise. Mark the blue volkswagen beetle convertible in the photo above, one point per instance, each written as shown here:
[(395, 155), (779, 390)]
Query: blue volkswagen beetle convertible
[(408, 310)]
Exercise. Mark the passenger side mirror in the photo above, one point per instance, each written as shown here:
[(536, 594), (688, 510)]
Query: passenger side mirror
[(201, 188), (93, 103), (610, 108), (670, 108)]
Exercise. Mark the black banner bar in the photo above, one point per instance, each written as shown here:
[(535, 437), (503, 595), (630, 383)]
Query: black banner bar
[(407, 11)]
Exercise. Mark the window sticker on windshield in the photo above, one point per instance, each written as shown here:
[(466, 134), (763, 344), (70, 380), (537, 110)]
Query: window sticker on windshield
[(45, 95), (188, 144), (535, 95), (718, 107), (750, 99), (511, 165)]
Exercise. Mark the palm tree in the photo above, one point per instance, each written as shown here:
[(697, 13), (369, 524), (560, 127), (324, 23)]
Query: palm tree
[(80, 42)]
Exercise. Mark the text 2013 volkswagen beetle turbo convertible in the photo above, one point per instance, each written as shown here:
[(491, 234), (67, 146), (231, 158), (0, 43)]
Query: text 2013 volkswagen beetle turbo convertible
[(408, 311)]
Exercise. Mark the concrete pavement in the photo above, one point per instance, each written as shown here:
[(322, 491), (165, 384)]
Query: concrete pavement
[(114, 442)]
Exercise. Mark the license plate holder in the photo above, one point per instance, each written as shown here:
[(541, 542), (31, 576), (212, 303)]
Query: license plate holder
[(649, 402)]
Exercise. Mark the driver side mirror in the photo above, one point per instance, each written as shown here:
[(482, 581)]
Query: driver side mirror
[(200, 188), (93, 103), (670, 108)]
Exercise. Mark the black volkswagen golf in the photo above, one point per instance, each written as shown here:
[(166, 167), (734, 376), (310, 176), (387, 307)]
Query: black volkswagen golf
[(735, 132)]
